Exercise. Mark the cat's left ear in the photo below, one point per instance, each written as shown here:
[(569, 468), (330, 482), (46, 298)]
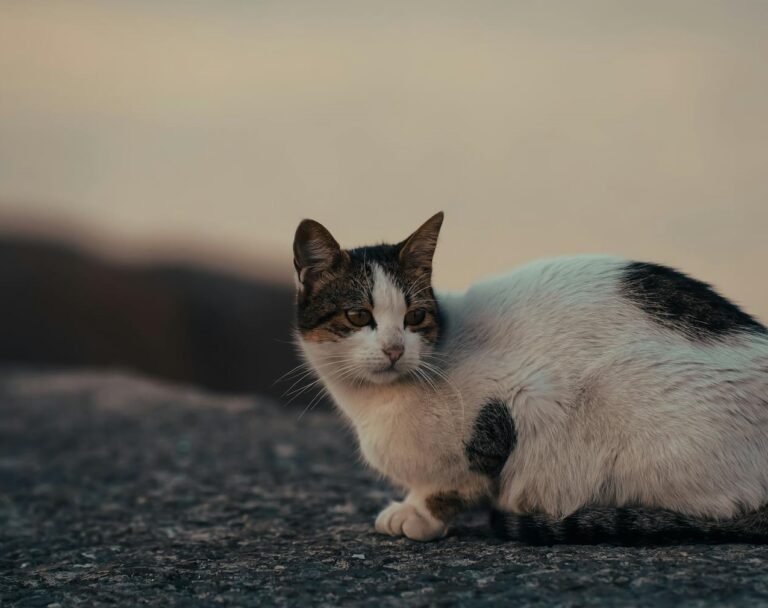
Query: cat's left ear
[(417, 251), (315, 253)]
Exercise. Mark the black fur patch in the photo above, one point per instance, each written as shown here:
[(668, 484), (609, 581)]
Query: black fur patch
[(493, 438), (684, 304)]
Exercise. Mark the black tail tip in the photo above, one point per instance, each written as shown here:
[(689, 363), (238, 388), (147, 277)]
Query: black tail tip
[(527, 529), (499, 522), (627, 527)]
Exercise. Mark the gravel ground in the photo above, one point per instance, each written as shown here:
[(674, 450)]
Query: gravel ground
[(116, 490)]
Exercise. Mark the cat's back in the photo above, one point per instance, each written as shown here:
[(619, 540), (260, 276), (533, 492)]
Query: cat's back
[(603, 301), (569, 299), (549, 284)]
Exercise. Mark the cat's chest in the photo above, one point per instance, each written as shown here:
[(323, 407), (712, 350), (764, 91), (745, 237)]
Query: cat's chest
[(408, 442)]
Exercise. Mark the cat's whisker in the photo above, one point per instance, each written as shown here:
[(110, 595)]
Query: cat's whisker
[(423, 282), (301, 366), (315, 400), (419, 286), (350, 373), (301, 390), (304, 365), (436, 355), (426, 380), (294, 374), (308, 372), (445, 379), (413, 374), (289, 391)]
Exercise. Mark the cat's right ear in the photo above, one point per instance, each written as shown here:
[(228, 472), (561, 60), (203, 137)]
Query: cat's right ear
[(417, 250), (315, 253)]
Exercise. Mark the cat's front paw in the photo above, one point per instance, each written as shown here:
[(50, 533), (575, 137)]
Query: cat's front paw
[(402, 519)]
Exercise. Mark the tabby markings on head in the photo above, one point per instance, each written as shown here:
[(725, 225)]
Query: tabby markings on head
[(321, 315)]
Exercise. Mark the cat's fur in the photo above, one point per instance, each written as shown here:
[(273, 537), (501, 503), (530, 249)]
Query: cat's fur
[(569, 383)]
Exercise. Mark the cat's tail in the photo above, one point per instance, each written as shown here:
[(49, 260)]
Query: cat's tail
[(630, 526)]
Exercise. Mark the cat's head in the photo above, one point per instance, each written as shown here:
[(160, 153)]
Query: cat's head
[(367, 315)]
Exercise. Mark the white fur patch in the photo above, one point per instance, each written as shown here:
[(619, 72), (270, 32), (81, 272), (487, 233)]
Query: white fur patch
[(389, 308)]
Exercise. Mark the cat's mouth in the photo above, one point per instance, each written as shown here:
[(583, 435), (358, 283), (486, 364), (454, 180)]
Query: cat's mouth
[(384, 374), (389, 369)]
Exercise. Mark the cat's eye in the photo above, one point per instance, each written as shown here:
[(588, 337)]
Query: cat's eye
[(415, 316), (360, 317)]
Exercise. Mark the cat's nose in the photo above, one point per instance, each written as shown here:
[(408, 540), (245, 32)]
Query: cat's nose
[(393, 353)]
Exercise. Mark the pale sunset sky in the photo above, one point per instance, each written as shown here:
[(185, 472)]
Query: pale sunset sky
[(209, 129)]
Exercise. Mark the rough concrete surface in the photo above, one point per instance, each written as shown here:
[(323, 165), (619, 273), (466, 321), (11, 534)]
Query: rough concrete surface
[(116, 490)]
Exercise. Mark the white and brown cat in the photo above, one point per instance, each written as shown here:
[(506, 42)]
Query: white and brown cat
[(569, 383)]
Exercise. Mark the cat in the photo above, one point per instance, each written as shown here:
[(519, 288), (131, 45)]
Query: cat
[(573, 382)]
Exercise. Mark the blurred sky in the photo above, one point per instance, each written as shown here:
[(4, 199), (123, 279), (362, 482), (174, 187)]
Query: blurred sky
[(212, 128)]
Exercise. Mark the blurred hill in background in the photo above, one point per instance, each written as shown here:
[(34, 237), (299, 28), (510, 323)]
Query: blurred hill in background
[(64, 307)]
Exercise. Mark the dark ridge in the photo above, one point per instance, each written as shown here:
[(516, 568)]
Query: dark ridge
[(493, 438), (684, 304), (629, 526), (64, 308)]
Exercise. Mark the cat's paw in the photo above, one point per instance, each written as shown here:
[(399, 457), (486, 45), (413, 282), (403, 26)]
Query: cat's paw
[(403, 519)]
